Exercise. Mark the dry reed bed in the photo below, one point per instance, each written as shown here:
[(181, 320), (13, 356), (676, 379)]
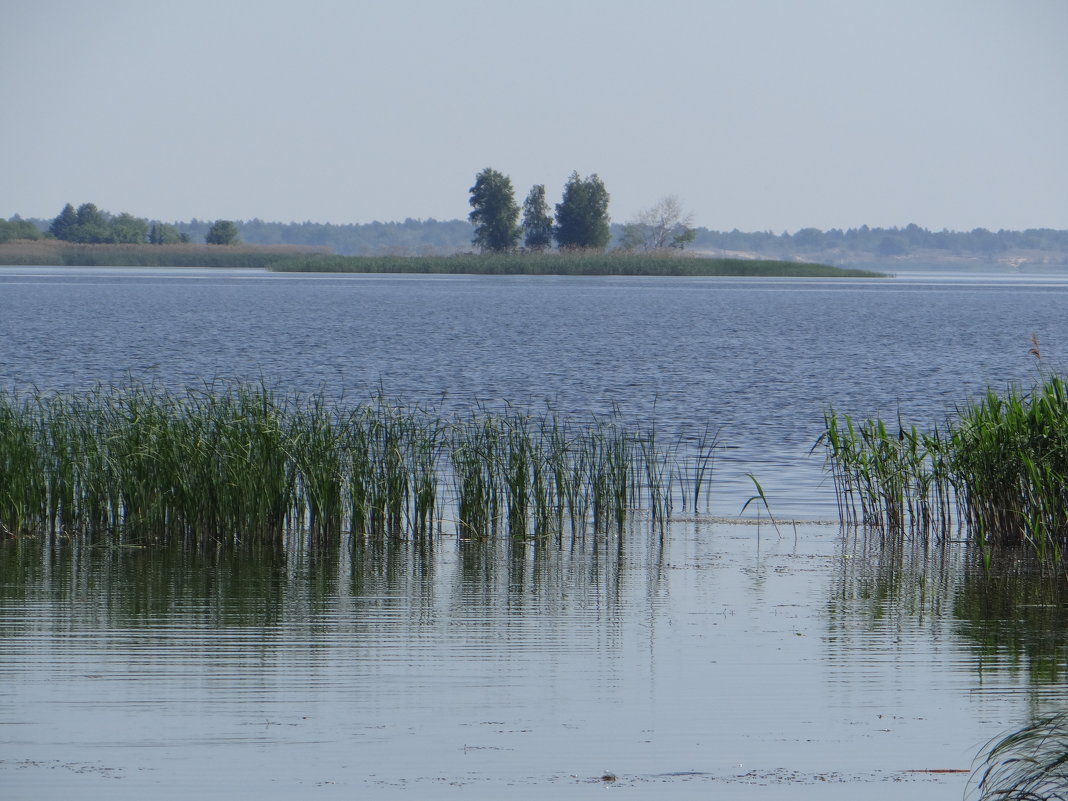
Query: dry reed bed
[(54, 252), (998, 468), (247, 465)]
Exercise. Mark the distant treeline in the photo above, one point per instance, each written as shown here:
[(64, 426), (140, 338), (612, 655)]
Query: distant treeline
[(18, 228), (411, 237), (437, 237), (430, 237), (886, 241), (408, 238), (89, 225)]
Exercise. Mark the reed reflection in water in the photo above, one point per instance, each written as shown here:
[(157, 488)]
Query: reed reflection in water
[(719, 659), (1011, 612)]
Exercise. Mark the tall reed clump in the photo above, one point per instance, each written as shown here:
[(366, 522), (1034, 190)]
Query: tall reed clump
[(1010, 457), (999, 468), (546, 478), (228, 465), (891, 479)]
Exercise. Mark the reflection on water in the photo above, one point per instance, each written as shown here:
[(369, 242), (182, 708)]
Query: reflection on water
[(1012, 614), (894, 582), (139, 586), (722, 658), (1017, 616)]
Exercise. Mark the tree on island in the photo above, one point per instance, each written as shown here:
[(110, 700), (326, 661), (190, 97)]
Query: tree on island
[(494, 213), (127, 229), (90, 225), (93, 225), (18, 228), (664, 225), (537, 222), (164, 234), (63, 225), (582, 215), (222, 232)]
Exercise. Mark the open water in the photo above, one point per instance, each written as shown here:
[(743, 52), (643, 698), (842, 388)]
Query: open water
[(733, 661), (758, 360)]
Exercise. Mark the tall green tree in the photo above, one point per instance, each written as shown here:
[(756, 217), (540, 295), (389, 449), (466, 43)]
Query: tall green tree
[(63, 225), (164, 234), (94, 225), (89, 214), (222, 232), (537, 222), (125, 228), (494, 213), (582, 215), (18, 228)]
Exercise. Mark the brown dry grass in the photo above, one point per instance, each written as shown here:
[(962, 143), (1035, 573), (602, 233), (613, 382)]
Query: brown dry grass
[(56, 252)]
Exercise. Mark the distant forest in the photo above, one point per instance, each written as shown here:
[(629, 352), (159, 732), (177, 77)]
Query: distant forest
[(888, 242), (836, 246), (864, 244), (434, 237)]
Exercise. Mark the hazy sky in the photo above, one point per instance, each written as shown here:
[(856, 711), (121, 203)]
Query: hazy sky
[(758, 114)]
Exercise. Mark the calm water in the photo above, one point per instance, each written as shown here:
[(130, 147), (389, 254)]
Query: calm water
[(733, 661), (758, 360)]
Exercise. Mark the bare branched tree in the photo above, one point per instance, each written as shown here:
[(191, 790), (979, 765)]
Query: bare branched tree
[(664, 225)]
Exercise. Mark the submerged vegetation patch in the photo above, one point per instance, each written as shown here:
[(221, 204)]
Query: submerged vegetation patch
[(566, 263), (998, 468), (241, 464)]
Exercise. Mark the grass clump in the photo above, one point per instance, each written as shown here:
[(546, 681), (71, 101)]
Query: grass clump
[(1030, 763), (245, 465), (998, 468)]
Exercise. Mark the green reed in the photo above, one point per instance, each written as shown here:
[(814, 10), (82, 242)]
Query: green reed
[(579, 262), (1029, 763), (999, 468), (227, 465)]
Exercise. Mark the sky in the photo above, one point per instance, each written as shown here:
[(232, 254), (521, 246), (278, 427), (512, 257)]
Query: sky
[(761, 115)]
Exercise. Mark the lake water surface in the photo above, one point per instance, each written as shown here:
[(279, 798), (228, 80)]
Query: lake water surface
[(730, 661), (760, 360)]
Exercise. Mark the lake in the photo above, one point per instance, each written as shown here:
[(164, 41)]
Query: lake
[(759, 360), (734, 659)]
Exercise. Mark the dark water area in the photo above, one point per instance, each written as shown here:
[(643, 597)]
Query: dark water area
[(758, 360), (725, 660)]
